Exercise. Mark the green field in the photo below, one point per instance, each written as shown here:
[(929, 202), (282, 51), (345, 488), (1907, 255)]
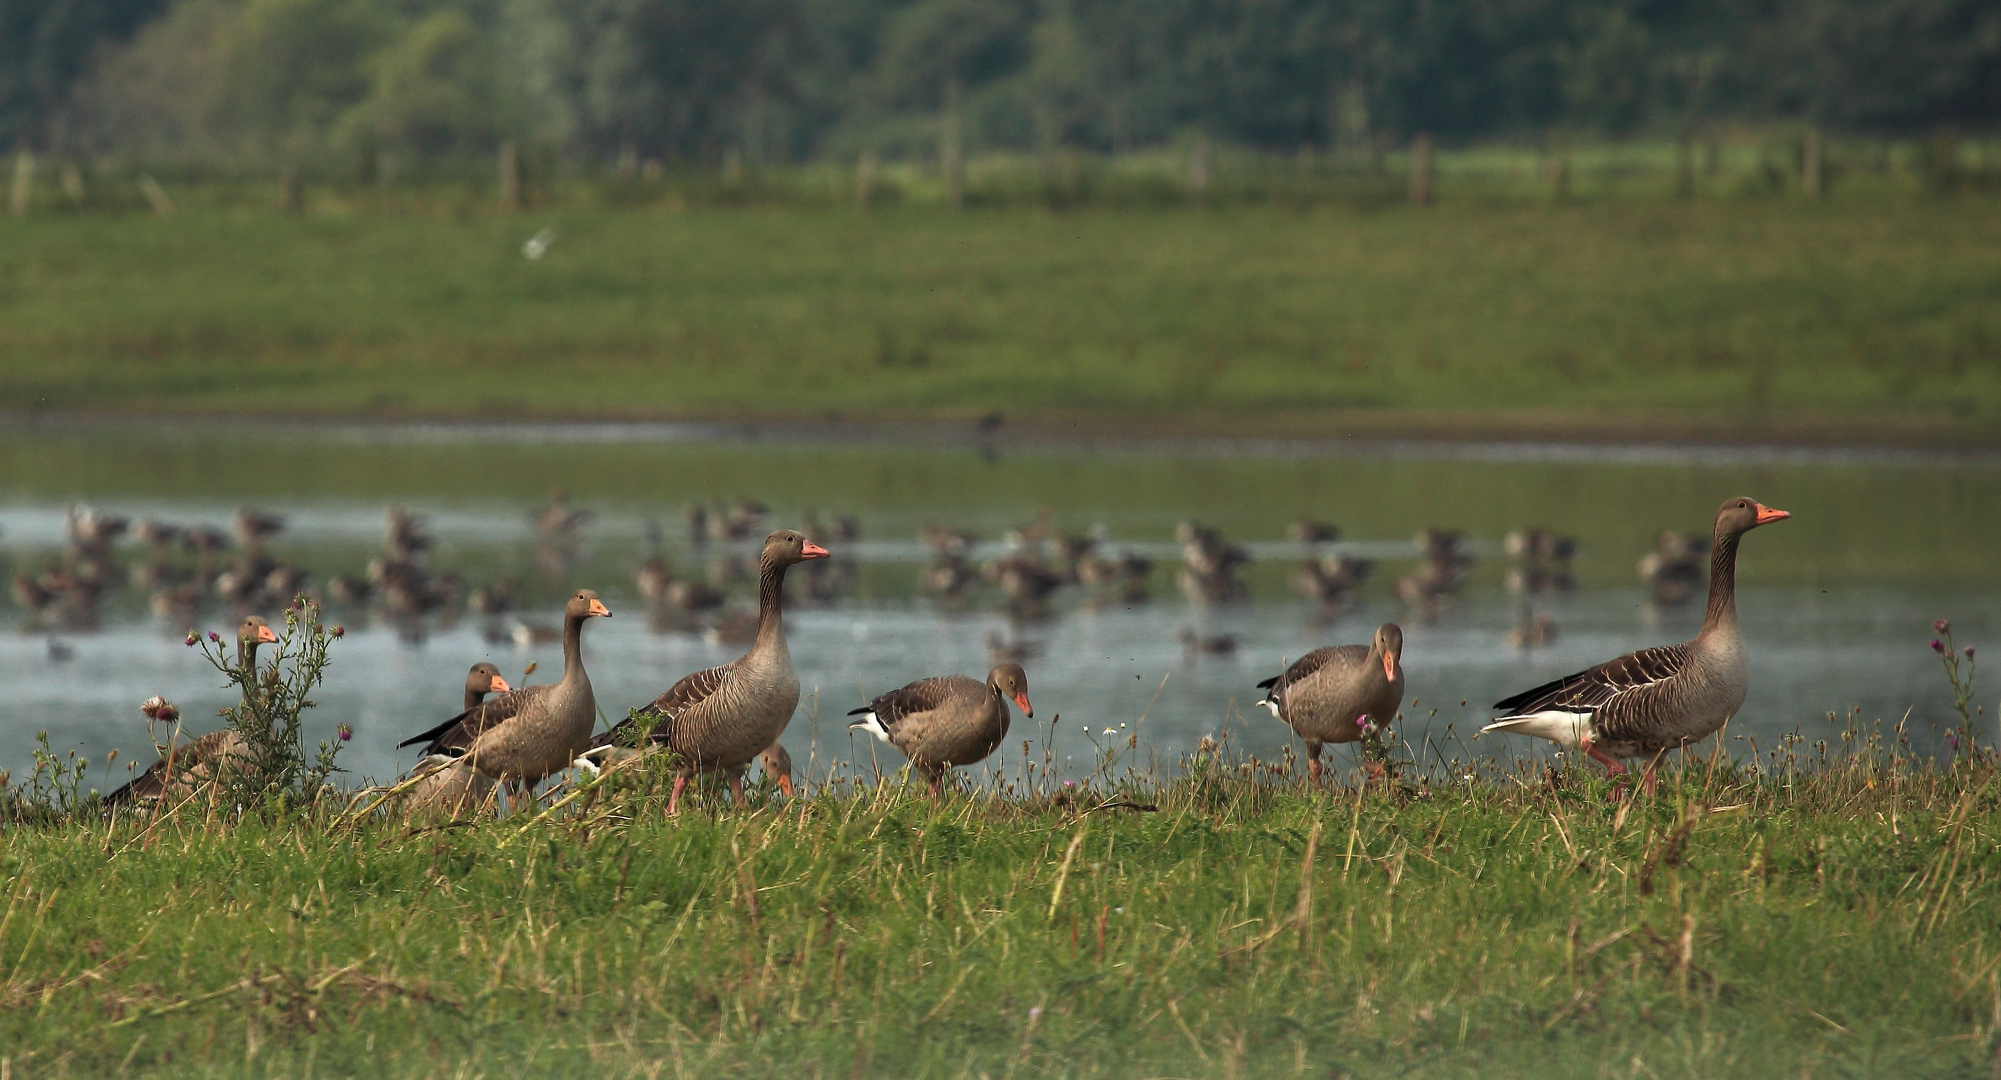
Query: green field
[(1837, 921), (1733, 317)]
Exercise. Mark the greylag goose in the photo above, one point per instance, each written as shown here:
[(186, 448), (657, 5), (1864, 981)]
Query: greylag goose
[(524, 735), (454, 787), (199, 761), (720, 718), (1331, 694), (777, 765), (1648, 702), (948, 720)]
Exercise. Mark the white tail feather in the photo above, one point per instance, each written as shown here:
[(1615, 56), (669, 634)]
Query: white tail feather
[(1566, 729), (870, 723)]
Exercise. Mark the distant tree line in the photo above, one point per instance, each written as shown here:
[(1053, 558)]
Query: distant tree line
[(628, 81)]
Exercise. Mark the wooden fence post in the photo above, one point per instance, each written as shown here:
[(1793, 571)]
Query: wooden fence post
[(24, 182), (510, 177), (1421, 151)]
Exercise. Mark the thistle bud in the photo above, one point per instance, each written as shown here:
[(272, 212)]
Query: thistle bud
[(1969, 652), (344, 733), (339, 630), (1941, 626), (1938, 646), (213, 636), (192, 639)]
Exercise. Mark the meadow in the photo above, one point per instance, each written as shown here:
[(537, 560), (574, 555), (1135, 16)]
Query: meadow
[(1827, 914), (1869, 314)]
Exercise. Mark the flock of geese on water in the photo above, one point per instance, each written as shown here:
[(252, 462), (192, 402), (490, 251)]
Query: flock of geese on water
[(721, 719)]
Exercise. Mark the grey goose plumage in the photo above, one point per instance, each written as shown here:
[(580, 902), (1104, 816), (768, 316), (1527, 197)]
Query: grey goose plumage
[(184, 767), (948, 720), (1324, 694), (525, 735), (1647, 702), (719, 719), (453, 787)]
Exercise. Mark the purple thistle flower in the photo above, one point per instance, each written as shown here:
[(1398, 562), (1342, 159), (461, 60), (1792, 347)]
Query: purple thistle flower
[(1938, 646), (192, 639), (213, 636), (1969, 652), (1941, 626), (344, 733), (1362, 720), (339, 630), (1952, 741)]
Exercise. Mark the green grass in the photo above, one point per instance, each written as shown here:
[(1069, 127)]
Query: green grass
[(1838, 922), (1737, 314)]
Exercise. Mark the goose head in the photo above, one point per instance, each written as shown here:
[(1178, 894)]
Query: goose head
[(584, 605), (788, 546), (1388, 648), (485, 679), (1009, 681), (1740, 515)]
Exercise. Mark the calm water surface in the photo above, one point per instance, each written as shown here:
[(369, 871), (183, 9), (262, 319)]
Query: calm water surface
[(1837, 604)]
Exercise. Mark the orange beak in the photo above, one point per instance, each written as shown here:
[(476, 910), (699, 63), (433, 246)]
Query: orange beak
[(785, 785), (1021, 699), (814, 551), (264, 635), (500, 685), (598, 608), (1389, 667), (1767, 515)]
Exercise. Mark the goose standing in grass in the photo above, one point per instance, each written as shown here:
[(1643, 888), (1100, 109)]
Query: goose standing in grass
[(948, 720), (454, 787), (719, 719), (1332, 695), (522, 736), (1646, 703), (199, 761)]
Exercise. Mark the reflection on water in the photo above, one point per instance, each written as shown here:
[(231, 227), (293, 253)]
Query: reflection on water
[(1123, 570)]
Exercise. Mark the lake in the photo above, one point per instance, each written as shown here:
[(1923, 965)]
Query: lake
[(1836, 604)]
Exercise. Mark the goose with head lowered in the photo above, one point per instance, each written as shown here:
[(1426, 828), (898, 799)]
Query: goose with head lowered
[(719, 719), (454, 787), (183, 768), (1646, 703), (1332, 695), (524, 735), (947, 720)]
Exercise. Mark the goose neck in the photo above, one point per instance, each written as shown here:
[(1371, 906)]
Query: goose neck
[(573, 647), (771, 606), (1721, 614)]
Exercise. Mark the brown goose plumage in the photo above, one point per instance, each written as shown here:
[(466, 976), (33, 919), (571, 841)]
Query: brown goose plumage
[(199, 761), (1324, 694), (525, 735), (1648, 702), (721, 718), (948, 720), (455, 787)]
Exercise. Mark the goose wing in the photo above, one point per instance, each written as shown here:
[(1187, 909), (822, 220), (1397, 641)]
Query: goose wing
[(178, 761), (689, 692), (1313, 662), (455, 736), (922, 696), (1590, 690)]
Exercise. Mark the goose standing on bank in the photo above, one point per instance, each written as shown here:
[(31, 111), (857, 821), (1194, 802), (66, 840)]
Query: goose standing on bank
[(455, 787), (524, 735), (182, 768), (1331, 694), (1646, 703), (948, 720), (719, 719)]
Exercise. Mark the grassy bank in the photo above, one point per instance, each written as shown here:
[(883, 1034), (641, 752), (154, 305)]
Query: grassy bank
[(1831, 922), (1729, 315)]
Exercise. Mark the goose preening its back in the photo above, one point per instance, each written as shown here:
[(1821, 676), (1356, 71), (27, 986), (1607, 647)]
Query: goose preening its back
[(721, 718), (1334, 694), (526, 734), (948, 720), (1648, 702)]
